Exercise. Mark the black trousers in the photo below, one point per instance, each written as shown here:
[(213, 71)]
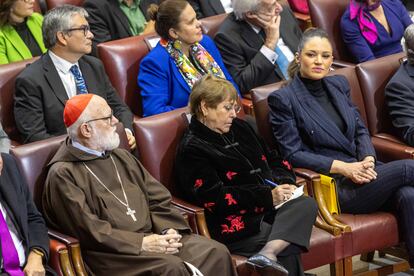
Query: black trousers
[(293, 223), (393, 190)]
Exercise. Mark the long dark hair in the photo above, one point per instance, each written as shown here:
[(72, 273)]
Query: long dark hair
[(310, 33), (5, 8)]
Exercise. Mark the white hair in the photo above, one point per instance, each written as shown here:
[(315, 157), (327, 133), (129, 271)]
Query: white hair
[(240, 7), (409, 42)]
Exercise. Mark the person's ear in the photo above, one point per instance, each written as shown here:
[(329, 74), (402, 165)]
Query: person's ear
[(297, 58), (173, 33), (250, 15), (61, 38), (85, 130), (204, 108)]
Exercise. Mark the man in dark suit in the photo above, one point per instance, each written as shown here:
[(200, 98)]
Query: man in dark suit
[(257, 41), (43, 88), (206, 8), (23, 233), (399, 92), (116, 19)]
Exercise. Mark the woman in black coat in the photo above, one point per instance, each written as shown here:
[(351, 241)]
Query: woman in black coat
[(224, 166)]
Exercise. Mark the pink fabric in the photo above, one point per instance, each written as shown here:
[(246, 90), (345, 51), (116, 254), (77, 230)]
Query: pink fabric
[(300, 6), (366, 25)]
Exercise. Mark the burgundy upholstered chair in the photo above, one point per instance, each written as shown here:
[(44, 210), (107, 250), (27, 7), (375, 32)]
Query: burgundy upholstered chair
[(8, 74), (211, 24), (362, 233), (55, 3), (121, 59), (326, 14)]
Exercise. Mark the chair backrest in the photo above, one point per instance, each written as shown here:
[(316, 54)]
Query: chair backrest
[(261, 108), (373, 76), (121, 59), (33, 158), (55, 3), (326, 14), (211, 24), (157, 138), (8, 74), (36, 6)]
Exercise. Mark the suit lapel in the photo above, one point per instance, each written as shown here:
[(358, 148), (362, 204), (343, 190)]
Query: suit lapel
[(13, 37), (216, 6), (286, 23), (319, 115), (120, 15), (52, 77)]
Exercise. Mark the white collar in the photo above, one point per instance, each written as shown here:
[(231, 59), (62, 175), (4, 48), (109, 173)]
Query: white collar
[(86, 149), (61, 64)]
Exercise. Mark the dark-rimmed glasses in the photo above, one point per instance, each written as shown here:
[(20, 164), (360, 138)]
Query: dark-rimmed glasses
[(102, 118), (84, 28)]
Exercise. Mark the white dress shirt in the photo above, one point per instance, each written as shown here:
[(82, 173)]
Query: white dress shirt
[(17, 243), (226, 5), (63, 68)]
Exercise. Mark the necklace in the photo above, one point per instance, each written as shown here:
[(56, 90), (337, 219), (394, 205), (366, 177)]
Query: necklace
[(129, 212)]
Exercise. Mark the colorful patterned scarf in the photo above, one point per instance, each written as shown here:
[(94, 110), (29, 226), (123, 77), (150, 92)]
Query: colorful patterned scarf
[(199, 62), (366, 25)]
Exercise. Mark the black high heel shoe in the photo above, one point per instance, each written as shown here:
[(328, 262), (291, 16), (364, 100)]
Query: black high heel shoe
[(266, 266)]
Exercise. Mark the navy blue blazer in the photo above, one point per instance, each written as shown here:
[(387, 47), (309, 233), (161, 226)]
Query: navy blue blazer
[(163, 88), (16, 197), (307, 137)]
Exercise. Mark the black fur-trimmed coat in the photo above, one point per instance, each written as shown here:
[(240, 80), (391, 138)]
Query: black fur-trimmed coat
[(226, 175)]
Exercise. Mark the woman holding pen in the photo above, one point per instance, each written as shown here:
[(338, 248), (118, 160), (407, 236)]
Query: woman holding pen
[(225, 167)]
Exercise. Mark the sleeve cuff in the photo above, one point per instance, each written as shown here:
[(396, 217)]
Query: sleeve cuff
[(269, 54)]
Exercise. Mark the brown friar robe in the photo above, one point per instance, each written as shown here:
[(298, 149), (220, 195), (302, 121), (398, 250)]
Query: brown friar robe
[(77, 204)]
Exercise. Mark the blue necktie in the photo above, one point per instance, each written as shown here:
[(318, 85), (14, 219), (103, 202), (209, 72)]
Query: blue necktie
[(80, 82), (282, 62)]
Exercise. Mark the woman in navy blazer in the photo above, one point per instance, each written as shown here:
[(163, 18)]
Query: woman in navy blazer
[(168, 72), (317, 127)]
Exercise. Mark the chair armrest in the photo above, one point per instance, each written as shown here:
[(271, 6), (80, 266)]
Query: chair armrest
[(337, 64), (199, 215), (74, 251), (306, 174), (389, 151), (59, 259)]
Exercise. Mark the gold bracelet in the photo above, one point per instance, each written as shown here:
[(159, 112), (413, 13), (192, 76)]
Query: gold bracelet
[(38, 252)]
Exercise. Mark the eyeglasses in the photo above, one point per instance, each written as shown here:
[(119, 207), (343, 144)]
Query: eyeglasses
[(103, 118), (84, 28), (231, 107)]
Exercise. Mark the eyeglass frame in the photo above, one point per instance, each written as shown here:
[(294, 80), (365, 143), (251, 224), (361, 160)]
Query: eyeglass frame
[(84, 28), (102, 118), (235, 107)]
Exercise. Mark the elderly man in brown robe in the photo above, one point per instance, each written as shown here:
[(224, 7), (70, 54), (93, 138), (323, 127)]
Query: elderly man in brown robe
[(122, 216)]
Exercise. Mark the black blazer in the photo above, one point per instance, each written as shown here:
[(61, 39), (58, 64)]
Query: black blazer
[(206, 8), (17, 200), (399, 96), (40, 97), (108, 21), (240, 47)]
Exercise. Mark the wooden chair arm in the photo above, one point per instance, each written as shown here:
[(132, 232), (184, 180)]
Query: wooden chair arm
[(388, 150), (199, 215), (59, 259)]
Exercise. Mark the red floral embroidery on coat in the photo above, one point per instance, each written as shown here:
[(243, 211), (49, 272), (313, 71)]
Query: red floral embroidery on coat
[(236, 224), (287, 164), (264, 157), (230, 199), (198, 183), (230, 175), (258, 209), (208, 205)]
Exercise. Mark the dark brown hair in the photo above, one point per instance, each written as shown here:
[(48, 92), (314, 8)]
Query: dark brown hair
[(166, 15), (5, 8), (212, 91)]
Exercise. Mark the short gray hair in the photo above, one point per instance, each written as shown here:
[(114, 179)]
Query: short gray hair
[(73, 130), (240, 7), (409, 43), (57, 20)]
